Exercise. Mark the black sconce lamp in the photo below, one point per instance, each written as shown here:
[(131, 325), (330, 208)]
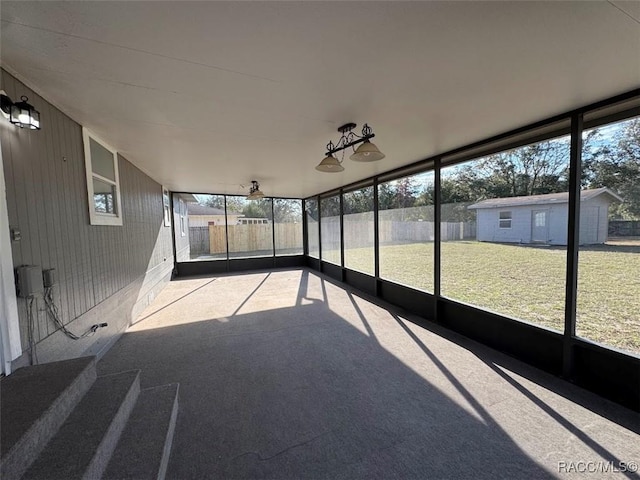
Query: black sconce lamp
[(20, 113)]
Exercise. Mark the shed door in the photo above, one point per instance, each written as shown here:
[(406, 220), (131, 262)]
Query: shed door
[(539, 226), (589, 224)]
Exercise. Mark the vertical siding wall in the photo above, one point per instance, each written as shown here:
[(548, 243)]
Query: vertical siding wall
[(104, 273)]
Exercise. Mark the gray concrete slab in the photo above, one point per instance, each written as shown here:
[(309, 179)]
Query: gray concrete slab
[(284, 374)]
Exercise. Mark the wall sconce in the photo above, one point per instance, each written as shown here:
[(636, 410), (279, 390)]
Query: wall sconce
[(22, 114), (366, 152), (254, 191)]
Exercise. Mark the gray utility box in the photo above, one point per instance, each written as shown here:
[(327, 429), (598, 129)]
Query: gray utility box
[(30, 281)]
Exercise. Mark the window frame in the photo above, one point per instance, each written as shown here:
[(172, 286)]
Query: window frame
[(182, 207), (500, 219), (166, 206), (98, 218)]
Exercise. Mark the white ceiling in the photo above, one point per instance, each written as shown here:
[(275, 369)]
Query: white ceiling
[(205, 96)]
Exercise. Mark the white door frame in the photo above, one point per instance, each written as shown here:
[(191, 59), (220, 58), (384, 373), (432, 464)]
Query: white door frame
[(10, 346), (546, 224)]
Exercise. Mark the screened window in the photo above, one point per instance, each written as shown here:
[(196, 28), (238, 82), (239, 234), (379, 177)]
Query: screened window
[(254, 238), (103, 183), (313, 235), (330, 229), (406, 230), (504, 232), (205, 227), (505, 219), (287, 224), (358, 230), (608, 297)]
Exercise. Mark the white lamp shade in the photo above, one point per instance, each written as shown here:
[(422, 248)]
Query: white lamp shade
[(330, 164), (257, 195), (367, 152)]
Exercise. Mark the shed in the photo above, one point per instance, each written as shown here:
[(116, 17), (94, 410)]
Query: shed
[(543, 218), (204, 215)]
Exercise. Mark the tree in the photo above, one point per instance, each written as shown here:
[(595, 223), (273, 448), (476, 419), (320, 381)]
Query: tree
[(613, 161), (287, 211), (358, 201), (534, 169)]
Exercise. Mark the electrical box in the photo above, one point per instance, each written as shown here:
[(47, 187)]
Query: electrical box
[(29, 281), (49, 277)]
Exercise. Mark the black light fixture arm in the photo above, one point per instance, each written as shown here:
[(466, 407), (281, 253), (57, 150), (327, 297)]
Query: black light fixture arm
[(349, 139)]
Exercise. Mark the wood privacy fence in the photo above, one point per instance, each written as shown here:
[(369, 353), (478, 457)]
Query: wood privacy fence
[(199, 240), (624, 228), (358, 232), (244, 238)]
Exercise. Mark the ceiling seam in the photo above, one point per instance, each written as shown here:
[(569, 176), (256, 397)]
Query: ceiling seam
[(137, 50), (624, 11)]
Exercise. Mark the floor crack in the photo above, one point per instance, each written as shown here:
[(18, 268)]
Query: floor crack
[(300, 444)]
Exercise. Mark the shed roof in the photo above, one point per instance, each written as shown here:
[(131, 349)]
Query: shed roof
[(199, 209), (547, 199)]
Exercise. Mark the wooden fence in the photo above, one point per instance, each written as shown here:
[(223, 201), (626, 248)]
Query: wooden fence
[(252, 238), (199, 240), (358, 232)]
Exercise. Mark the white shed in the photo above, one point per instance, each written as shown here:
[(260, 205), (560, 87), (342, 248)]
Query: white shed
[(543, 218), (204, 215)]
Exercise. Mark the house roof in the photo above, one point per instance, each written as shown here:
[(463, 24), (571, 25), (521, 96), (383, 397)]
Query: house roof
[(548, 199), (199, 209)]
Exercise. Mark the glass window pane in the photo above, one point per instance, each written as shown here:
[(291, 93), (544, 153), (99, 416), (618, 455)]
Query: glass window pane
[(102, 160), (608, 298), (204, 225), (253, 239), (358, 230), (104, 197), (330, 229), (313, 238), (406, 230), (504, 232), (287, 225)]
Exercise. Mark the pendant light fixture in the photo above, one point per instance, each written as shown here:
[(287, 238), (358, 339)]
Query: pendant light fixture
[(254, 191), (366, 152)]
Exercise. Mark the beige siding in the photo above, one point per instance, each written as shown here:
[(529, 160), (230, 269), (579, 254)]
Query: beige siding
[(47, 202)]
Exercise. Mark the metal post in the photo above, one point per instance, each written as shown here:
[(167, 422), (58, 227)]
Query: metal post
[(273, 230), (226, 232), (437, 245), (376, 237), (573, 241), (305, 230), (342, 272), (319, 233)]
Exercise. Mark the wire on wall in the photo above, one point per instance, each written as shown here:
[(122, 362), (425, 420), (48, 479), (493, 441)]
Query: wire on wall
[(54, 313), (30, 327)]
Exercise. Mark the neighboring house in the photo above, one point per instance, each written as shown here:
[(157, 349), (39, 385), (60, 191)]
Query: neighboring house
[(204, 215), (543, 218), (181, 202)]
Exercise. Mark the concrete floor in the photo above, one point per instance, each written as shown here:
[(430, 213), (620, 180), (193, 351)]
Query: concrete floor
[(284, 374)]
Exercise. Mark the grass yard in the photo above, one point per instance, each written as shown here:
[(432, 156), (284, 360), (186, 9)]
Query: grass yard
[(527, 282)]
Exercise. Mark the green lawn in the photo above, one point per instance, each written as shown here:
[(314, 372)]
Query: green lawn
[(527, 282)]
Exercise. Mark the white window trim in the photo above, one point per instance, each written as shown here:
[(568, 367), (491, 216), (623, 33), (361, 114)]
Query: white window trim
[(182, 207), (96, 218), (166, 207), (510, 219)]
